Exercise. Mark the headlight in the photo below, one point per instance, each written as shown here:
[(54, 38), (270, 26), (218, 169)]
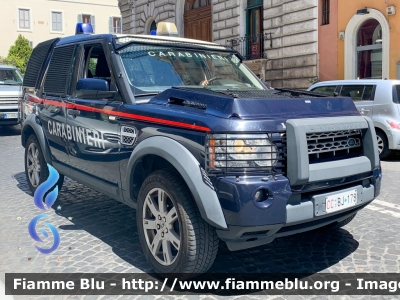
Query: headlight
[(241, 151)]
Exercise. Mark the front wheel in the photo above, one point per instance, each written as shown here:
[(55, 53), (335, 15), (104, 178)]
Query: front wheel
[(36, 169), (173, 235)]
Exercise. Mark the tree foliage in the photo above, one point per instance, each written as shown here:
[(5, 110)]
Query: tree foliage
[(19, 53)]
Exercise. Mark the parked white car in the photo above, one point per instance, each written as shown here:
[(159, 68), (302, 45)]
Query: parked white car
[(10, 92), (377, 99)]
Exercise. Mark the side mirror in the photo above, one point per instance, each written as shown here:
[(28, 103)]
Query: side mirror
[(93, 88), (93, 84)]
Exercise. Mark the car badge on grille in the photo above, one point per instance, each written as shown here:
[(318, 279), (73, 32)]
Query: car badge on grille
[(351, 142)]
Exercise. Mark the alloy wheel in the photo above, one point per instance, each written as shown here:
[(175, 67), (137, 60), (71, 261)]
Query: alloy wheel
[(161, 226), (33, 164), (380, 144)]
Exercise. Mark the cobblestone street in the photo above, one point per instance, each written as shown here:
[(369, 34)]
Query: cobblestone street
[(98, 234)]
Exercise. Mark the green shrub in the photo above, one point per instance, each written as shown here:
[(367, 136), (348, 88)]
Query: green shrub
[(19, 53)]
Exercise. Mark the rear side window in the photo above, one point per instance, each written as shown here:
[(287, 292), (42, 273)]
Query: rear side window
[(368, 93), (59, 71), (35, 63), (358, 92), (325, 90), (396, 94)]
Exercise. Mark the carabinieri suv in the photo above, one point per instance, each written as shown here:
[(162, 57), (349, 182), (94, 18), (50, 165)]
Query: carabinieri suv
[(182, 131)]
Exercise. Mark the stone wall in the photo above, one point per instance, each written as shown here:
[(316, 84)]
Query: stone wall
[(227, 17), (144, 12), (291, 62), (126, 8)]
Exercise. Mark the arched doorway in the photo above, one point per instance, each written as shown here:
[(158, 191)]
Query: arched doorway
[(366, 46), (369, 50), (197, 20)]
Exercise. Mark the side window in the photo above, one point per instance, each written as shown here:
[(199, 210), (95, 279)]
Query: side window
[(396, 93), (325, 90), (96, 65), (369, 92), (93, 64), (353, 91), (358, 92)]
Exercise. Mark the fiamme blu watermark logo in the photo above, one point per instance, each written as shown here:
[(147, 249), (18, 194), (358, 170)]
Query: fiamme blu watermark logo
[(44, 198)]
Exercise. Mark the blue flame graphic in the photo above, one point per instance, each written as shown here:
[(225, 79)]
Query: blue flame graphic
[(50, 198), (46, 186)]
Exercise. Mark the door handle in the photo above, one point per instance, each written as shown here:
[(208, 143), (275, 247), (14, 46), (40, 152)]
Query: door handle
[(73, 112)]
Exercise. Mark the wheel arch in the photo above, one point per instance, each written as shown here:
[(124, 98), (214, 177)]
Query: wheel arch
[(31, 126), (173, 154)]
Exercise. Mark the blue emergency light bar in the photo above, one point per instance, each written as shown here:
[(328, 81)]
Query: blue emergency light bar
[(84, 28)]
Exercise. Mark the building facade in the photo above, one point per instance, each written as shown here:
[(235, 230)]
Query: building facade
[(364, 40), (277, 38), (40, 20)]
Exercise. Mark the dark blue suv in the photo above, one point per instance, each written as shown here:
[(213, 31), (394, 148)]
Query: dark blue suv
[(183, 132)]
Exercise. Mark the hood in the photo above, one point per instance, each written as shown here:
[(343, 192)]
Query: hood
[(249, 105), (10, 90)]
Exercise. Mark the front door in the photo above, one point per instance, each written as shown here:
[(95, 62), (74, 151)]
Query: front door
[(197, 20), (94, 146)]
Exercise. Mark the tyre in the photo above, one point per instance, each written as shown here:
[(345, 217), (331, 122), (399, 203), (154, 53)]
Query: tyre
[(36, 169), (383, 145), (338, 225), (173, 235)]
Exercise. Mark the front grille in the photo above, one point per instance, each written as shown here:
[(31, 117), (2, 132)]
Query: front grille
[(334, 145), (9, 101), (223, 156)]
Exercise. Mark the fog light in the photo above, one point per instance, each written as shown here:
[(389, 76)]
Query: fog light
[(261, 195)]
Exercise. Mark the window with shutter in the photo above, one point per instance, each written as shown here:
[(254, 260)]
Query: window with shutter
[(92, 21), (117, 25), (56, 21), (24, 19)]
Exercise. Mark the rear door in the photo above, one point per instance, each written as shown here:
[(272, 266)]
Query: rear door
[(362, 95), (94, 146), (53, 113)]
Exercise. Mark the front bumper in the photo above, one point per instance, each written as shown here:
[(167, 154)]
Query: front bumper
[(4, 117), (303, 212)]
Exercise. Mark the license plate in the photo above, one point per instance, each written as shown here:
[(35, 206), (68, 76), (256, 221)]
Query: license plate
[(11, 116), (340, 201)]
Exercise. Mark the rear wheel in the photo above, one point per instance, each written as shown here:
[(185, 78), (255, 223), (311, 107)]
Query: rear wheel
[(383, 145), (173, 235), (36, 169)]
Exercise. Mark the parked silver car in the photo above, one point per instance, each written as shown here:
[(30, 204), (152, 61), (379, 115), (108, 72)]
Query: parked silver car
[(377, 99), (10, 91)]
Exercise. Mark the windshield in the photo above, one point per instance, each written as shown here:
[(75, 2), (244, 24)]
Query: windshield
[(153, 69), (10, 77)]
